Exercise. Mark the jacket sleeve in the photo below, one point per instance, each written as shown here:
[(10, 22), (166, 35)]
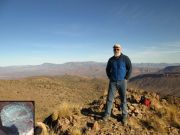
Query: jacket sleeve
[(128, 68), (108, 69)]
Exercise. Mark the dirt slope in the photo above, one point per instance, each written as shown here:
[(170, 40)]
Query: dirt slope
[(49, 92)]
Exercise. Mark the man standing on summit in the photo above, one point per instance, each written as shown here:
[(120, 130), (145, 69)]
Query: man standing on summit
[(118, 71)]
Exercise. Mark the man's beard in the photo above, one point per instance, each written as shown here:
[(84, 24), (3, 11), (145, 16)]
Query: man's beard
[(117, 54)]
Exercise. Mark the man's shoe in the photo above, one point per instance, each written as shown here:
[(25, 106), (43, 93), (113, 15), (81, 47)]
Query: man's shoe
[(124, 120), (106, 118)]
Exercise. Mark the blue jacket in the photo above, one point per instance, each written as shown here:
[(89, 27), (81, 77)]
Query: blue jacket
[(119, 68)]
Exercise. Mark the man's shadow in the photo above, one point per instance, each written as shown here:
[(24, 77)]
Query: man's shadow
[(89, 112), (96, 114)]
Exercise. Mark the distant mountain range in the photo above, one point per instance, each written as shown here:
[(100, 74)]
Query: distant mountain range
[(88, 69)]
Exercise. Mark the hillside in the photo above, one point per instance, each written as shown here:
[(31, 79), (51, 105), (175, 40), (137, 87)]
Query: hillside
[(49, 92), (165, 82), (170, 70)]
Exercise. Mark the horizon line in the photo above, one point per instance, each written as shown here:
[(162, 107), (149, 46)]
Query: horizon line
[(86, 62)]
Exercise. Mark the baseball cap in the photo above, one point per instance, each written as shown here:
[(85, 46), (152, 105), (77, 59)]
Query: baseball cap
[(117, 45)]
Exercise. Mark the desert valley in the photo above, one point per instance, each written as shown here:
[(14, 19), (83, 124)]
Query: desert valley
[(70, 98)]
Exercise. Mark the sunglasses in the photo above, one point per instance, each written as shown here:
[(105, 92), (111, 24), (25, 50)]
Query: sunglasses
[(116, 49)]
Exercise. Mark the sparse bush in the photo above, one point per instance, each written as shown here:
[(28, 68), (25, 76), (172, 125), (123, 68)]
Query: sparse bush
[(67, 109), (172, 116), (161, 112), (75, 131), (55, 115), (166, 115), (52, 133), (153, 122)]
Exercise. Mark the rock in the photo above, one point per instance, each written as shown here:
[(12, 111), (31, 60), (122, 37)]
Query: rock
[(137, 98), (139, 116), (164, 101), (136, 111), (63, 124), (134, 104), (71, 119), (132, 131), (66, 121), (117, 101), (115, 111), (96, 126), (157, 97), (133, 115), (174, 131), (128, 104), (131, 108), (156, 104), (92, 118), (74, 131), (101, 106)]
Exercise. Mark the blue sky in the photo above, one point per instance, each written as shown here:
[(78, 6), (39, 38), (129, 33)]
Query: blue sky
[(57, 31)]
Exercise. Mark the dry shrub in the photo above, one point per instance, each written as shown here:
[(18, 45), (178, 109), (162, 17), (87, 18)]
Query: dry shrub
[(173, 116), (55, 115), (167, 116), (52, 133), (155, 123), (161, 112), (67, 109), (133, 122), (75, 131)]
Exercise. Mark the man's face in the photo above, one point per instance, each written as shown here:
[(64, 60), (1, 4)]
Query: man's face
[(117, 51)]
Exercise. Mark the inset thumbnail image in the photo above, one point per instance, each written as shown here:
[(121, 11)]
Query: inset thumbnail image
[(17, 118)]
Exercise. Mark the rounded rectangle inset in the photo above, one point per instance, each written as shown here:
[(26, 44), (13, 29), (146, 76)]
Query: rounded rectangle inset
[(17, 117)]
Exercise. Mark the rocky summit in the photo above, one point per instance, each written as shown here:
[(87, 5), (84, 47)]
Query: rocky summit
[(148, 114)]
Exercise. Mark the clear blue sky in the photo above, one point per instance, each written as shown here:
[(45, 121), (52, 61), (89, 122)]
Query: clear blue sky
[(57, 31)]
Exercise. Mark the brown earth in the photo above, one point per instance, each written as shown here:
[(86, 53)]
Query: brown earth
[(164, 84), (49, 92)]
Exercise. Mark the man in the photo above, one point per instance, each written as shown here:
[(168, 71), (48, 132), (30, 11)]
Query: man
[(118, 71)]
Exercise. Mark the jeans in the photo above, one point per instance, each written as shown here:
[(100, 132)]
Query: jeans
[(121, 87)]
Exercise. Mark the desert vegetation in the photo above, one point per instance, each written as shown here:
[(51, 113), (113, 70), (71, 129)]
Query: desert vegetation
[(74, 105)]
